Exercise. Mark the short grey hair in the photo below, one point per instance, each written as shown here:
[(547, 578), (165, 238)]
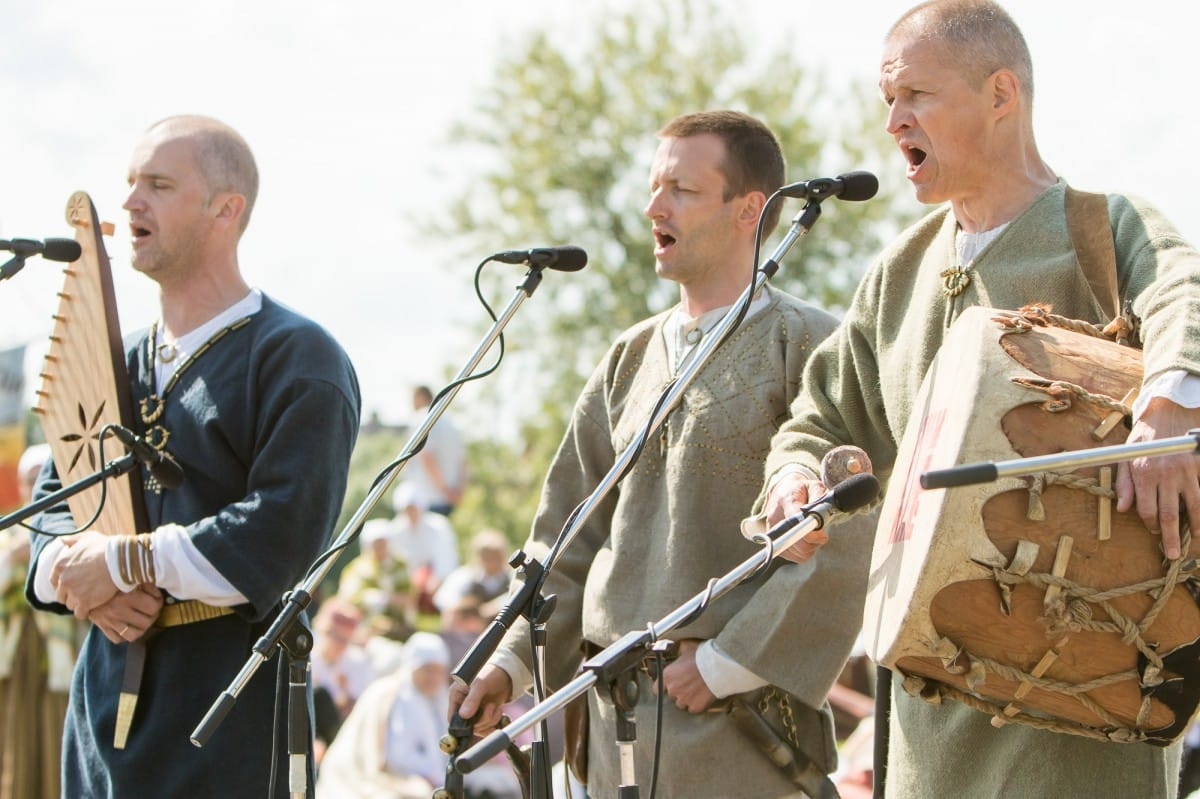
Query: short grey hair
[(223, 157), (977, 37)]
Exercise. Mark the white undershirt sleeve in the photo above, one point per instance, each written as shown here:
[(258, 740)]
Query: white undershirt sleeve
[(45, 563), (180, 569), (1182, 388), (723, 675)]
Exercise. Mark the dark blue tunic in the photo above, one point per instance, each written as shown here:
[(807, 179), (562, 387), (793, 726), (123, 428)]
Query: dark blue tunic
[(263, 424)]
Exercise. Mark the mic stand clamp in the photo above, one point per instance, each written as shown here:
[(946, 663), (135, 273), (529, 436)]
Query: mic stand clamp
[(529, 603), (618, 673)]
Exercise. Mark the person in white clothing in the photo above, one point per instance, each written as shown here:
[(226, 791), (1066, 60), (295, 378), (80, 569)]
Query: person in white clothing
[(486, 578), (425, 541), (388, 746), (341, 667), (439, 470)]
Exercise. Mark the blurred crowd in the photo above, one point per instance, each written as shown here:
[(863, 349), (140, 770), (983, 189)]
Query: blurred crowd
[(403, 612)]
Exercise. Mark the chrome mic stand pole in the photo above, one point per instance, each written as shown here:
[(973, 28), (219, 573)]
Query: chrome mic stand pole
[(986, 472), (296, 600), (853, 493)]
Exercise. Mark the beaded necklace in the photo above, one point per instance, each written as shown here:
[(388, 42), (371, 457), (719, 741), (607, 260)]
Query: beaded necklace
[(154, 405)]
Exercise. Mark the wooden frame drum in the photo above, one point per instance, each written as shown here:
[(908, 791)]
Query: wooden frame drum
[(1031, 598)]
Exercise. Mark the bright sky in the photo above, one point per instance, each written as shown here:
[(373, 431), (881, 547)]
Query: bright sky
[(347, 106)]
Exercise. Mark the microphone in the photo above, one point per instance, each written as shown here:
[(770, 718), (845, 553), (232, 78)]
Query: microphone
[(852, 186), (163, 468), (850, 494), (63, 250), (564, 259)]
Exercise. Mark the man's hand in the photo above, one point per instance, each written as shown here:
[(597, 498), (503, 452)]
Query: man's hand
[(127, 617), (683, 683), (788, 498), (487, 695), (1163, 485), (80, 573)]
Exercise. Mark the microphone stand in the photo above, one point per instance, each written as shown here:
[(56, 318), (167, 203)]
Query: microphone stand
[(529, 601), (626, 653), (971, 473), (287, 630), (114, 468), (12, 266)]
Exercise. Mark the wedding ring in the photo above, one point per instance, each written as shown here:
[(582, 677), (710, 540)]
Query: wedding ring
[(124, 630)]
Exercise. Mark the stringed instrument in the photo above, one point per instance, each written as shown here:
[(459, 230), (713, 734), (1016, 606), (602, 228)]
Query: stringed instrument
[(84, 381)]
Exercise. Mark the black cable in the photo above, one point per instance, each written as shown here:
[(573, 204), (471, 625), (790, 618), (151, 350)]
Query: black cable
[(99, 505), (659, 664), (387, 470), (281, 677)]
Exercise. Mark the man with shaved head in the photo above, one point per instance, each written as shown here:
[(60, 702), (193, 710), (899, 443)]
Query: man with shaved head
[(260, 407), (957, 78)]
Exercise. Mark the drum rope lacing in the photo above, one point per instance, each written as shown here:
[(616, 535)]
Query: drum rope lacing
[(1072, 611), (1074, 614), (1060, 393)]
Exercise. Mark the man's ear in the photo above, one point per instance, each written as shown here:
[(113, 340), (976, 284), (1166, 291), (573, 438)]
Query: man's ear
[(750, 208), (1006, 91), (229, 207)]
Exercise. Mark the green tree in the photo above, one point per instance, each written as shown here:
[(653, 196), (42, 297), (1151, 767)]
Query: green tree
[(566, 136)]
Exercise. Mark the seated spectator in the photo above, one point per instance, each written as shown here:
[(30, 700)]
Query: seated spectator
[(37, 658), (462, 625), (388, 747), (341, 667), (485, 578), (427, 543), (377, 583)]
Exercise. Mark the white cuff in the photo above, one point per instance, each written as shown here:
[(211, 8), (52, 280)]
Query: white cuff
[(521, 677), (787, 469), (722, 674), (1182, 388), (45, 564)]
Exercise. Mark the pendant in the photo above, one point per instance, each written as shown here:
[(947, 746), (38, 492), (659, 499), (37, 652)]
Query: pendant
[(167, 352), (151, 408), (157, 437), (693, 336), (955, 280)]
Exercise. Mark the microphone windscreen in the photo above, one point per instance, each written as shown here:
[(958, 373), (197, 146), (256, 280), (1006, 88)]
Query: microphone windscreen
[(570, 259), (858, 186), (855, 492), (64, 250)]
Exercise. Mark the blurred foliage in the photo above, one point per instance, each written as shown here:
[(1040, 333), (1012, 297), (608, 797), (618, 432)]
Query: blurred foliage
[(559, 149)]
